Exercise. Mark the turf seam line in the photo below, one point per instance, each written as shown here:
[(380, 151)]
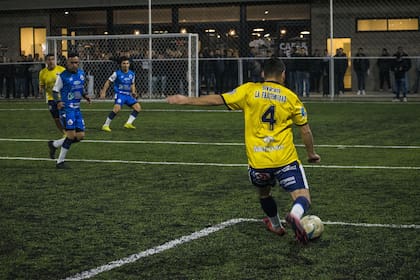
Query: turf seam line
[(209, 163), (338, 146)]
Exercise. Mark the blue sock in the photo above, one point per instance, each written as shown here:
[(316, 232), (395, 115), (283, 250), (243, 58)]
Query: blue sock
[(300, 206)]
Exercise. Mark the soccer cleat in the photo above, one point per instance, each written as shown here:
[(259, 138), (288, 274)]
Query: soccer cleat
[(62, 165), (52, 149), (279, 231), (106, 128), (129, 126), (300, 232)]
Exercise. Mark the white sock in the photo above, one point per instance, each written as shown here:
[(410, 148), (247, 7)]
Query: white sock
[(297, 210), (108, 122), (59, 142), (131, 119), (275, 221), (62, 156)]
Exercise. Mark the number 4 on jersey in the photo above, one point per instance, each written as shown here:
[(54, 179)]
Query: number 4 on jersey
[(268, 116)]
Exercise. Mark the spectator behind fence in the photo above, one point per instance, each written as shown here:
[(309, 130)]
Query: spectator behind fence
[(340, 68), (384, 64), (326, 74), (34, 72), (417, 84), (302, 72), (361, 67), (315, 71), (3, 70), (400, 67), (21, 78)]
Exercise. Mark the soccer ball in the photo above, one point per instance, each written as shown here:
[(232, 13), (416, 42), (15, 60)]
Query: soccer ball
[(312, 225)]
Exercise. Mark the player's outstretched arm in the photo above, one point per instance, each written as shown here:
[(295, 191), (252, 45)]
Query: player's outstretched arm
[(308, 141), (205, 100)]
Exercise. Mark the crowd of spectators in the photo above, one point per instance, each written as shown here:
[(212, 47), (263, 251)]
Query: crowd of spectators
[(219, 71)]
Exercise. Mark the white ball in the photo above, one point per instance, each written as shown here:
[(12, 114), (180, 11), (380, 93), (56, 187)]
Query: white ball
[(312, 225)]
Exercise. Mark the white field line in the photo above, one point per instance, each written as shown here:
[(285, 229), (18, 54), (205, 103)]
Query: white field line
[(209, 143), (156, 250), (209, 163), (143, 110), (199, 234)]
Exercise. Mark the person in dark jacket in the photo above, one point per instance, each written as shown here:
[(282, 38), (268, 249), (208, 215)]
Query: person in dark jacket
[(384, 64), (361, 67), (400, 68), (340, 68)]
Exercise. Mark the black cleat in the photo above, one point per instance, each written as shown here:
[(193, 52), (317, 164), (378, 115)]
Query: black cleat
[(52, 149), (62, 165)]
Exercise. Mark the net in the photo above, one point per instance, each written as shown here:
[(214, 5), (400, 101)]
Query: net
[(164, 64)]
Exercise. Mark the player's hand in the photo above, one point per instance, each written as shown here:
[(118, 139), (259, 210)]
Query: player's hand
[(88, 99), (60, 105), (315, 158), (177, 99)]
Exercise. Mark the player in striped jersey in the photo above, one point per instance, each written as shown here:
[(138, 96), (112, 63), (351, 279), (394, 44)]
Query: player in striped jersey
[(270, 110)]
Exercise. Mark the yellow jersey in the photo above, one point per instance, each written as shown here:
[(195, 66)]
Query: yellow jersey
[(47, 79), (270, 110)]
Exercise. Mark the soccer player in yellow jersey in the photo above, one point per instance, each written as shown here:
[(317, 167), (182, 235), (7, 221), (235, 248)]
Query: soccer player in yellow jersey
[(270, 110), (47, 78)]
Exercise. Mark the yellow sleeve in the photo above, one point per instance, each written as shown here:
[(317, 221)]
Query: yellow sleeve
[(236, 99), (300, 116)]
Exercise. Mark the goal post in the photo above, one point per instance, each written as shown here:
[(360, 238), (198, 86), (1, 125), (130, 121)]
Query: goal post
[(164, 64)]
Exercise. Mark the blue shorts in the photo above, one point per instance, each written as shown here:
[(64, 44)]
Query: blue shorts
[(291, 177), (73, 119), (122, 99)]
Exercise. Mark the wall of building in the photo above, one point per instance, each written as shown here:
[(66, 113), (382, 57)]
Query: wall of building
[(10, 25)]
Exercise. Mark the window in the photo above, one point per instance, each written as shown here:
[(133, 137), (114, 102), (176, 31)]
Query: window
[(209, 14), (141, 16), (372, 25), (278, 12), (398, 24), (403, 24), (32, 40)]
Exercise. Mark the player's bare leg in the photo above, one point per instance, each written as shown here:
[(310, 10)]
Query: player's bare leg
[(136, 109), (59, 126), (111, 116), (72, 137)]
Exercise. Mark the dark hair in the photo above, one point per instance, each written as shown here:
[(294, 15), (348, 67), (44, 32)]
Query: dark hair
[(49, 55), (274, 66), (123, 58), (72, 54)]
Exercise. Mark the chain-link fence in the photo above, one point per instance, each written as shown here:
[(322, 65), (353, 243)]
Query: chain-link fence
[(329, 47), (170, 67)]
